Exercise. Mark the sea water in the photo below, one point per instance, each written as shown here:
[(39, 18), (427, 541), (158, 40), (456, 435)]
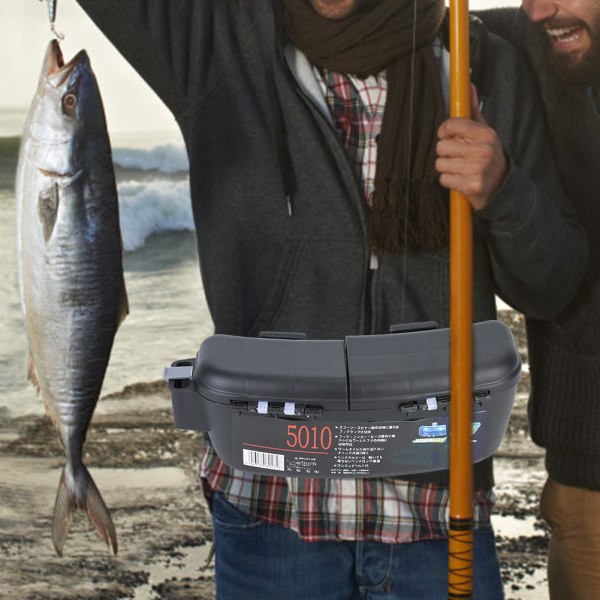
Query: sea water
[(168, 317)]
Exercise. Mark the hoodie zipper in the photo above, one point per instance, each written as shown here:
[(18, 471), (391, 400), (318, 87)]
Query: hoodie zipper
[(370, 263)]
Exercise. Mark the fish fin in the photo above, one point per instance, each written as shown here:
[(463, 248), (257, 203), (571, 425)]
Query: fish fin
[(64, 507), (32, 372), (67, 501), (48, 201), (32, 376), (123, 306), (99, 514)]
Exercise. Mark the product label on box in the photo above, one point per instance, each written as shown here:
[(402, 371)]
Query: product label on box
[(318, 448)]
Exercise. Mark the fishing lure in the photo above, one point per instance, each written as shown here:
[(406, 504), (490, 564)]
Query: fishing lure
[(52, 17)]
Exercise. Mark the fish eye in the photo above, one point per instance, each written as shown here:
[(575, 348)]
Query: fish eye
[(69, 102)]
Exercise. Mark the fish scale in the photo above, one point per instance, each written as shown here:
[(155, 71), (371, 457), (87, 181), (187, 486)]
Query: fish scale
[(70, 267)]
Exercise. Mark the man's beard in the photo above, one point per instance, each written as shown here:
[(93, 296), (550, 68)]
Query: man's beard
[(575, 70)]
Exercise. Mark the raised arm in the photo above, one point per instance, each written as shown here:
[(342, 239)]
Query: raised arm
[(180, 47)]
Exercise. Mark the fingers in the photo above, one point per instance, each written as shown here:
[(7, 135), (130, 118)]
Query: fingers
[(470, 159), (461, 126), (471, 174), (471, 182), (467, 129), (470, 156), (466, 142)]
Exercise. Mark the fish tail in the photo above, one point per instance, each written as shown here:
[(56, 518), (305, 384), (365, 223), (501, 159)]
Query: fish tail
[(84, 495)]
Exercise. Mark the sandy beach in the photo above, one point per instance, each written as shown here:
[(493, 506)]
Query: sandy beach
[(146, 471)]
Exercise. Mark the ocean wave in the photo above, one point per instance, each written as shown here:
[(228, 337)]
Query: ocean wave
[(166, 158), (149, 207)]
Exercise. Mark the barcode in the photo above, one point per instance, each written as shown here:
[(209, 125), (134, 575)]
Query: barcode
[(264, 460)]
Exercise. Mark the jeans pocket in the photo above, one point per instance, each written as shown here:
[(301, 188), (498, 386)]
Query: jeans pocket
[(227, 516)]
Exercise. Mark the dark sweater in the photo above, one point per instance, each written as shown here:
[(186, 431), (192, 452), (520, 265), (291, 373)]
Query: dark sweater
[(564, 354), (255, 138)]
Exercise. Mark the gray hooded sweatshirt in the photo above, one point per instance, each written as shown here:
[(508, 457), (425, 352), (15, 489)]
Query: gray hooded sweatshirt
[(280, 217)]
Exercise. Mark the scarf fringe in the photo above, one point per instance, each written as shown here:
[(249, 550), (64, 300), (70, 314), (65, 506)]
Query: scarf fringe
[(409, 215)]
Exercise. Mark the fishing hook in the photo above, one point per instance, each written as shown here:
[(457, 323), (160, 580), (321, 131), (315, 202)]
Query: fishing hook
[(52, 18), (59, 35)]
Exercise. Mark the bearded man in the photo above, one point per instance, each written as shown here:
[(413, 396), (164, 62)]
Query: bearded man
[(320, 157), (561, 41)]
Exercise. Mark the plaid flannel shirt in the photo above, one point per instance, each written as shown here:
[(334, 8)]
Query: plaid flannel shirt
[(384, 509)]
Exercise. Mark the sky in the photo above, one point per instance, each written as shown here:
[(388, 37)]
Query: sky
[(130, 105)]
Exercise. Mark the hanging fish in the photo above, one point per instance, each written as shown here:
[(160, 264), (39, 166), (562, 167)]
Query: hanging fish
[(70, 267)]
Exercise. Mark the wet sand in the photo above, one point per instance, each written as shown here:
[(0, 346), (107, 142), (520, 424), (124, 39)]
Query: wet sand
[(146, 472)]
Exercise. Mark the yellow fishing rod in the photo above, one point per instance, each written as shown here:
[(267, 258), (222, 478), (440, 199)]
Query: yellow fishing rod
[(460, 563)]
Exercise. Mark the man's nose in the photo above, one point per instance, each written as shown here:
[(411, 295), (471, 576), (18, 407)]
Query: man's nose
[(540, 10)]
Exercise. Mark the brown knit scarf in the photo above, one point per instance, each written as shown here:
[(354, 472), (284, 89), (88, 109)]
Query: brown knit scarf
[(409, 207)]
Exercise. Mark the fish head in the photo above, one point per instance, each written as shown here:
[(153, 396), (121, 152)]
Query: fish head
[(66, 115)]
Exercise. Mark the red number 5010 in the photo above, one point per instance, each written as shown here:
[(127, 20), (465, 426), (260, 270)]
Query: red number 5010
[(302, 436)]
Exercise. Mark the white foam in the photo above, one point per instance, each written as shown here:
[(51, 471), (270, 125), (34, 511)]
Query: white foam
[(165, 158), (149, 207)]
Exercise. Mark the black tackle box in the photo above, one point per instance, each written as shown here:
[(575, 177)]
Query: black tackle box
[(366, 406)]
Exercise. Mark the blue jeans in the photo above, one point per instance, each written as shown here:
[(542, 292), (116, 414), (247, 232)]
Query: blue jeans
[(255, 560)]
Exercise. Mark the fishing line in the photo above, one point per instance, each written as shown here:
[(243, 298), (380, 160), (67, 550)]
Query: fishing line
[(408, 160)]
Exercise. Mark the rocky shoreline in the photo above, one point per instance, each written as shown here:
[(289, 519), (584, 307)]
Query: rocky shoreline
[(146, 472)]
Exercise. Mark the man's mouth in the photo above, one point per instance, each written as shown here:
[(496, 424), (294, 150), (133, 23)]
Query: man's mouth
[(565, 37), (573, 48)]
